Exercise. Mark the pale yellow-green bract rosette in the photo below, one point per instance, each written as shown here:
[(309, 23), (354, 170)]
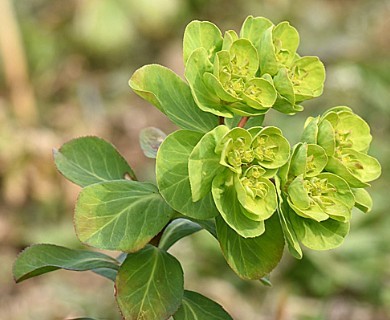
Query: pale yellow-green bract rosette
[(249, 73), (237, 166), (346, 139), (314, 205)]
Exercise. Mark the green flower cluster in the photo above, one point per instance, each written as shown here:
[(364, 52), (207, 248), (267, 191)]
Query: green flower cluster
[(345, 138), (239, 176), (250, 73), (226, 169), (324, 177)]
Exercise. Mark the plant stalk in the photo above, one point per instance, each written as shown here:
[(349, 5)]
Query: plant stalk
[(243, 122)]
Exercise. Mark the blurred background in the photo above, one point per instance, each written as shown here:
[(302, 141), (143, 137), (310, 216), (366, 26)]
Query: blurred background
[(64, 67)]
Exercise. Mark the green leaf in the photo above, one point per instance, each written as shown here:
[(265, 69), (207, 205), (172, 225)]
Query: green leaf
[(106, 273), (214, 85), (351, 128), (271, 149), (289, 234), (171, 95), (252, 258), (310, 131), (266, 49), (197, 65), (289, 171), (298, 160), (326, 137), (308, 77), (253, 29), (322, 235), (363, 200), (284, 86), (288, 35), (244, 58), (172, 176), (260, 202), (299, 199), (308, 160), (286, 42), (321, 197), (316, 160), (149, 285), (259, 94), (355, 167), (285, 101), (278, 47), (203, 164), (197, 307), (120, 215), (208, 225), (42, 258), (228, 39), (177, 229), (89, 160), (201, 34), (235, 149), (230, 208)]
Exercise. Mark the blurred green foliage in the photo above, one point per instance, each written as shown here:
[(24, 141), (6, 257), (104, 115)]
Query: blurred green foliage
[(80, 55)]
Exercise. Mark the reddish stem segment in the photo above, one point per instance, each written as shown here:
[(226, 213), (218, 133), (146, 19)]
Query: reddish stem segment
[(221, 120), (243, 122)]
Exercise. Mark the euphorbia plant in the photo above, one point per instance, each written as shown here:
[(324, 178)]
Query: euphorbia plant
[(222, 171)]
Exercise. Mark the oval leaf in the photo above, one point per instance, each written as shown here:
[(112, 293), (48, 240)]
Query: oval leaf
[(176, 230), (197, 307), (149, 285), (120, 215), (106, 273), (171, 95), (203, 164), (289, 234), (172, 175), (253, 29), (363, 200), (252, 258), (201, 34), (322, 235), (42, 258), (89, 160), (235, 215), (197, 65)]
